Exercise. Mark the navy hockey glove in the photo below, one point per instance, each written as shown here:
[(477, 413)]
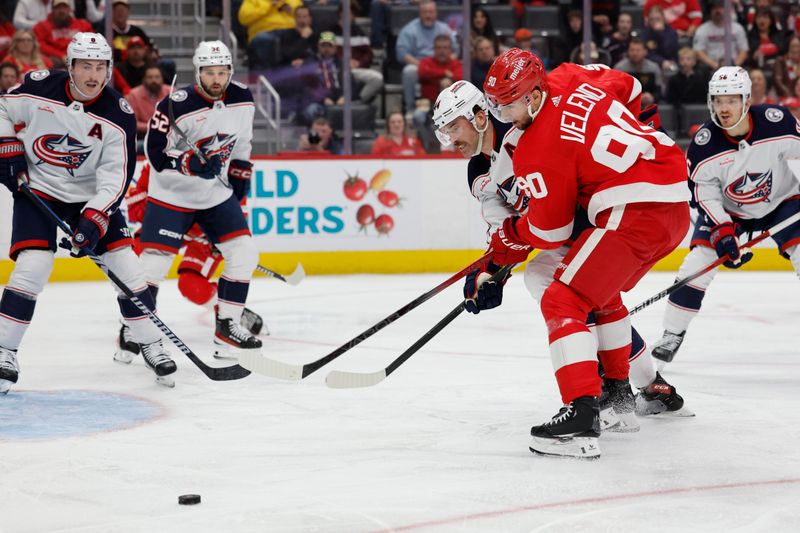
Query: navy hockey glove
[(239, 174), (481, 294), (190, 164), (92, 226), (723, 239), (651, 117), (508, 247), (12, 162)]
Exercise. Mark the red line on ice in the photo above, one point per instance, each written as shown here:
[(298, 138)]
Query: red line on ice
[(583, 501)]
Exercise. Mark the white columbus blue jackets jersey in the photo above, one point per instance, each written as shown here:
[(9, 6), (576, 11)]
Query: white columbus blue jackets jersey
[(747, 178), (76, 152), (222, 126), (491, 179)]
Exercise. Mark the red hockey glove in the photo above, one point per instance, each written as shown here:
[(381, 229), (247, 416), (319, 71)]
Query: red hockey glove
[(239, 174), (723, 239), (508, 247)]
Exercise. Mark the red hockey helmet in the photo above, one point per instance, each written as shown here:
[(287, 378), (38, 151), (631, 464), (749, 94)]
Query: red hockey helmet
[(514, 74)]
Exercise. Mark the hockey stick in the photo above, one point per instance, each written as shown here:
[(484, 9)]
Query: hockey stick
[(217, 374), (294, 278), (294, 372), (339, 379), (777, 228)]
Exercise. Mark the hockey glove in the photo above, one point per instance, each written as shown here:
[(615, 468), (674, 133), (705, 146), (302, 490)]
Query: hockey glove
[(508, 247), (92, 226), (481, 294), (651, 117), (190, 164), (239, 174), (723, 239), (12, 162)]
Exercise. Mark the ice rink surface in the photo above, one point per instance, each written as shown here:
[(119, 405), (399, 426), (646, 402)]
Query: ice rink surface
[(90, 445)]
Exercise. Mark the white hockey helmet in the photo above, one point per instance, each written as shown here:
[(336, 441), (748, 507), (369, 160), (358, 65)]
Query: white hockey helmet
[(86, 45), (211, 54), (729, 81), (458, 100)]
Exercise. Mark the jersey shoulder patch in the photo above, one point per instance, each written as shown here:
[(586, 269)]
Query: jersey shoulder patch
[(179, 96), (39, 75), (125, 106)]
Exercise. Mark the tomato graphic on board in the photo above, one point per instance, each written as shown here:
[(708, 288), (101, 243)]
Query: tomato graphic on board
[(389, 198), (384, 224), (355, 188), (365, 216)]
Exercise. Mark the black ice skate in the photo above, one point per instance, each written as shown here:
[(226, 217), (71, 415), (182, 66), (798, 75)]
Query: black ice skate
[(666, 347), (160, 362), (660, 398), (573, 432), (230, 339), (127, 348), (9, 369), (253, 322), (617, 407)]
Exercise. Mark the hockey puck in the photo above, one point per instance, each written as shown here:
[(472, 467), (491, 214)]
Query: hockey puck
[(189, 499)]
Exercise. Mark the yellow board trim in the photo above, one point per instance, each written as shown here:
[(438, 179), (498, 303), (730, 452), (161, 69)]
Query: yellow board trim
[(373, 262)]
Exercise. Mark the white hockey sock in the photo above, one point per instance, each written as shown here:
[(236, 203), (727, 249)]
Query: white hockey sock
[(642, 372)]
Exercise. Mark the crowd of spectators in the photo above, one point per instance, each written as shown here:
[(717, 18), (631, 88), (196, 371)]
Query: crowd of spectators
[(671, 46), (34, 35)]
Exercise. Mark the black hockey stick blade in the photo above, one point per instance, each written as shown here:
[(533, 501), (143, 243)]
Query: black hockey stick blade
[(295, 372), (294, 278), (339, 379), (777, 228), (215, 373)]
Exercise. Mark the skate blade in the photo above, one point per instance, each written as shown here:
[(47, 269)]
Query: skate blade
[(5, 386), (166, 381), (124, 356), (683, 412), (627, 424), (587, 448)]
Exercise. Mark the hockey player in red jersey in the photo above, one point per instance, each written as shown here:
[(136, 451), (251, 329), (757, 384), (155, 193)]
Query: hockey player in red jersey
[(200, 261), (583, 146), (461, 118)]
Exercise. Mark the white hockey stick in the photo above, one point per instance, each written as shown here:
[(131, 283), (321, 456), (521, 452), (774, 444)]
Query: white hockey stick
[(294, 278)]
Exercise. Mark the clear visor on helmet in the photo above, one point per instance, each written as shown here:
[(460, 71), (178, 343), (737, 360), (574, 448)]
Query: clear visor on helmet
[(506, 112), (453, 130)]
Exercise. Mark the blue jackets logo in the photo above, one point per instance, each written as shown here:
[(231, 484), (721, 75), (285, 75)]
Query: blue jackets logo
[(61, 151), (751, 188)]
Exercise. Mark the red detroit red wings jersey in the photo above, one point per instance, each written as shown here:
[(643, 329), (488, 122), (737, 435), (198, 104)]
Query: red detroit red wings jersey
[(586, 147)]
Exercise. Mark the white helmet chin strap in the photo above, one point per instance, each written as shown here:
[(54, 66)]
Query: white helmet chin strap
[(533, 114), (479, 146), (745, 109), (83, 94)]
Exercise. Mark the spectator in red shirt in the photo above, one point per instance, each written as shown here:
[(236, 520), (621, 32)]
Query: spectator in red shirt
[(143, 98), (766, 40), (440, 70), (685, 16), (56, 31), (25, 53), (396, 142)]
